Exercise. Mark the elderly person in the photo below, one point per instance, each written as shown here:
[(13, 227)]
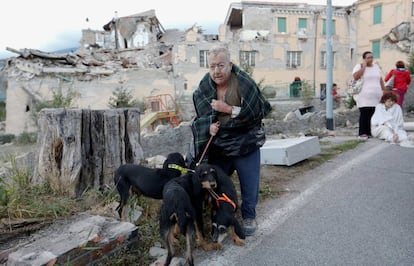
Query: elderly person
[(387, 122), (402, 79), (370, 95), (230, 107)]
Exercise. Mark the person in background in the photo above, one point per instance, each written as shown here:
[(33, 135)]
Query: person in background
[(371, 92), (296, 87), (402, 79), (387, 122), (230, 107), (336, 97)]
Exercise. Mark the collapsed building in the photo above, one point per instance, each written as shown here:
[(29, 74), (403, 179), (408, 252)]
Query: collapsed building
[(279, 41)]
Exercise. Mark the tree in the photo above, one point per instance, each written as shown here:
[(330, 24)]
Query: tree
[(122, 98)]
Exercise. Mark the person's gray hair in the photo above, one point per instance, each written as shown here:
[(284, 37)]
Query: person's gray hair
[(218, 49)]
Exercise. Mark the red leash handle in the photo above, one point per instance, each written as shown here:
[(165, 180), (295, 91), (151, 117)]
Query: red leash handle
[(205, 150)]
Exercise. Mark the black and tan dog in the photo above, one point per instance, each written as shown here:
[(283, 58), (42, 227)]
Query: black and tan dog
[(225, 205), (177, 216), (142, 180), (181, 211)]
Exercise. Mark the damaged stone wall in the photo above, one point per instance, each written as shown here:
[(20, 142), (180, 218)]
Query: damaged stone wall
[(400, 37), (92, 76)]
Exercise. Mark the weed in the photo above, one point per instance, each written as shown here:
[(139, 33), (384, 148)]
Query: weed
[(26, 138)]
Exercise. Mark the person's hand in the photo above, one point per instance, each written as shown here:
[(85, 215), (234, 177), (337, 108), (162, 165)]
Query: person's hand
[(214, 128), (220, 106), (364, 63), (395, 138)]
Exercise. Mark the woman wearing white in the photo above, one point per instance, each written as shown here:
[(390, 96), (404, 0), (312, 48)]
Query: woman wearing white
[(370, 95), (387, 122)]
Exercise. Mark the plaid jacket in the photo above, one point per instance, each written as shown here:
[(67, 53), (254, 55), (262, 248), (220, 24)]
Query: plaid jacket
[(253, 108)]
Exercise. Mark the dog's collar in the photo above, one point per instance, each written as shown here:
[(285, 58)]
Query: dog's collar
[(179, 168), (226, 199)]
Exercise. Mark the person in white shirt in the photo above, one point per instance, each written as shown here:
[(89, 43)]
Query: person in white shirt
[(387, 122), (370, 95)]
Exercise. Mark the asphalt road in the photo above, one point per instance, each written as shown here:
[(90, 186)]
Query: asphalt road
[(357, 209)]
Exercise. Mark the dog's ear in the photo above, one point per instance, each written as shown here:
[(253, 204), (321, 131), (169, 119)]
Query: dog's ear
[(237, 228)]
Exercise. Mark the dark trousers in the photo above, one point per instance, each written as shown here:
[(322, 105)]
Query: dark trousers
[(248, 171), (365, 114)]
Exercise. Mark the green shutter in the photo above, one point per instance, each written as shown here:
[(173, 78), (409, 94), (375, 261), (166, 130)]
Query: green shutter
[(376, 49), (281, 24), (324, 27), (303, 23), (377, 14)]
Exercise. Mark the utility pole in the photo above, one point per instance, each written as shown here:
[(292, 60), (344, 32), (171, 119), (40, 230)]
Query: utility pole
[(329, 63), (116, 30)]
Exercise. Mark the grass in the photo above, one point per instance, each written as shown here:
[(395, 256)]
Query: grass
[(19, 199)]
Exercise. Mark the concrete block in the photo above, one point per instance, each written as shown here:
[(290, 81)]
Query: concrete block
[(64, 241), (289, 151), (409, 126)]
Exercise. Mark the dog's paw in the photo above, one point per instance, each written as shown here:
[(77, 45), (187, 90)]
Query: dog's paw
[(239, 242), (209, 246)]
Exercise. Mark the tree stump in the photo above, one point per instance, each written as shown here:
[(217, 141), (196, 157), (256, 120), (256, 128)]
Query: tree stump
[(79, 149)]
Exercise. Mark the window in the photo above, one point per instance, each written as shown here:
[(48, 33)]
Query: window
[(248, 58), (412, 9), (293, 59), (376, 49), (281, 25), (324, 59), (203, 58), (324, 27), (377, 14), (302, 23)]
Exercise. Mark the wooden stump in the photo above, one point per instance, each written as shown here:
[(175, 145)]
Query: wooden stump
[(80, 149)]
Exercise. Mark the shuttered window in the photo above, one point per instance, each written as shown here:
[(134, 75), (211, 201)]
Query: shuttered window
[(302, 23), (376, 49), (281, 25), (377, 14), (324, 27)]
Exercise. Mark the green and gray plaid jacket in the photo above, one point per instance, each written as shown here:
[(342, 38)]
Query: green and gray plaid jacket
[(254, 107)]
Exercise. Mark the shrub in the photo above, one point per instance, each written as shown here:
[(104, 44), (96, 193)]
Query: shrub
[(411, 63), (122, 98), (2, 111), (59, 100), (6, 138)]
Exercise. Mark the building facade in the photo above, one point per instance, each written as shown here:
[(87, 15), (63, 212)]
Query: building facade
[(277, 41)]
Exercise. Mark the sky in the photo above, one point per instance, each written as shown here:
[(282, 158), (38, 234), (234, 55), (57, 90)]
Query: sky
[(51, 25)]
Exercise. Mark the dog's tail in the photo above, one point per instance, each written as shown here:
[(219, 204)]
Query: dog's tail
[(123, 187)]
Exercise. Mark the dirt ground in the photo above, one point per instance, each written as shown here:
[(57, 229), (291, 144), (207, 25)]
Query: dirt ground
[(274, 183)]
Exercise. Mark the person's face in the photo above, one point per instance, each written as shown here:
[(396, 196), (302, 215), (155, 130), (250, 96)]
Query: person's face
[(369, 58), (220, 68), (389, 103)]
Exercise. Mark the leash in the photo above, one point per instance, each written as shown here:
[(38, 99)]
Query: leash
[(205, 150), (222, 198)]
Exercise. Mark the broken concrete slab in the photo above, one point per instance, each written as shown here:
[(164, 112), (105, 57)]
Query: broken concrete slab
[(289, 151), (409, 126), (79, 240)]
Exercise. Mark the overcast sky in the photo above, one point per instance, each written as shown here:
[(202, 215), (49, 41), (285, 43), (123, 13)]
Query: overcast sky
[(51, 25)]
